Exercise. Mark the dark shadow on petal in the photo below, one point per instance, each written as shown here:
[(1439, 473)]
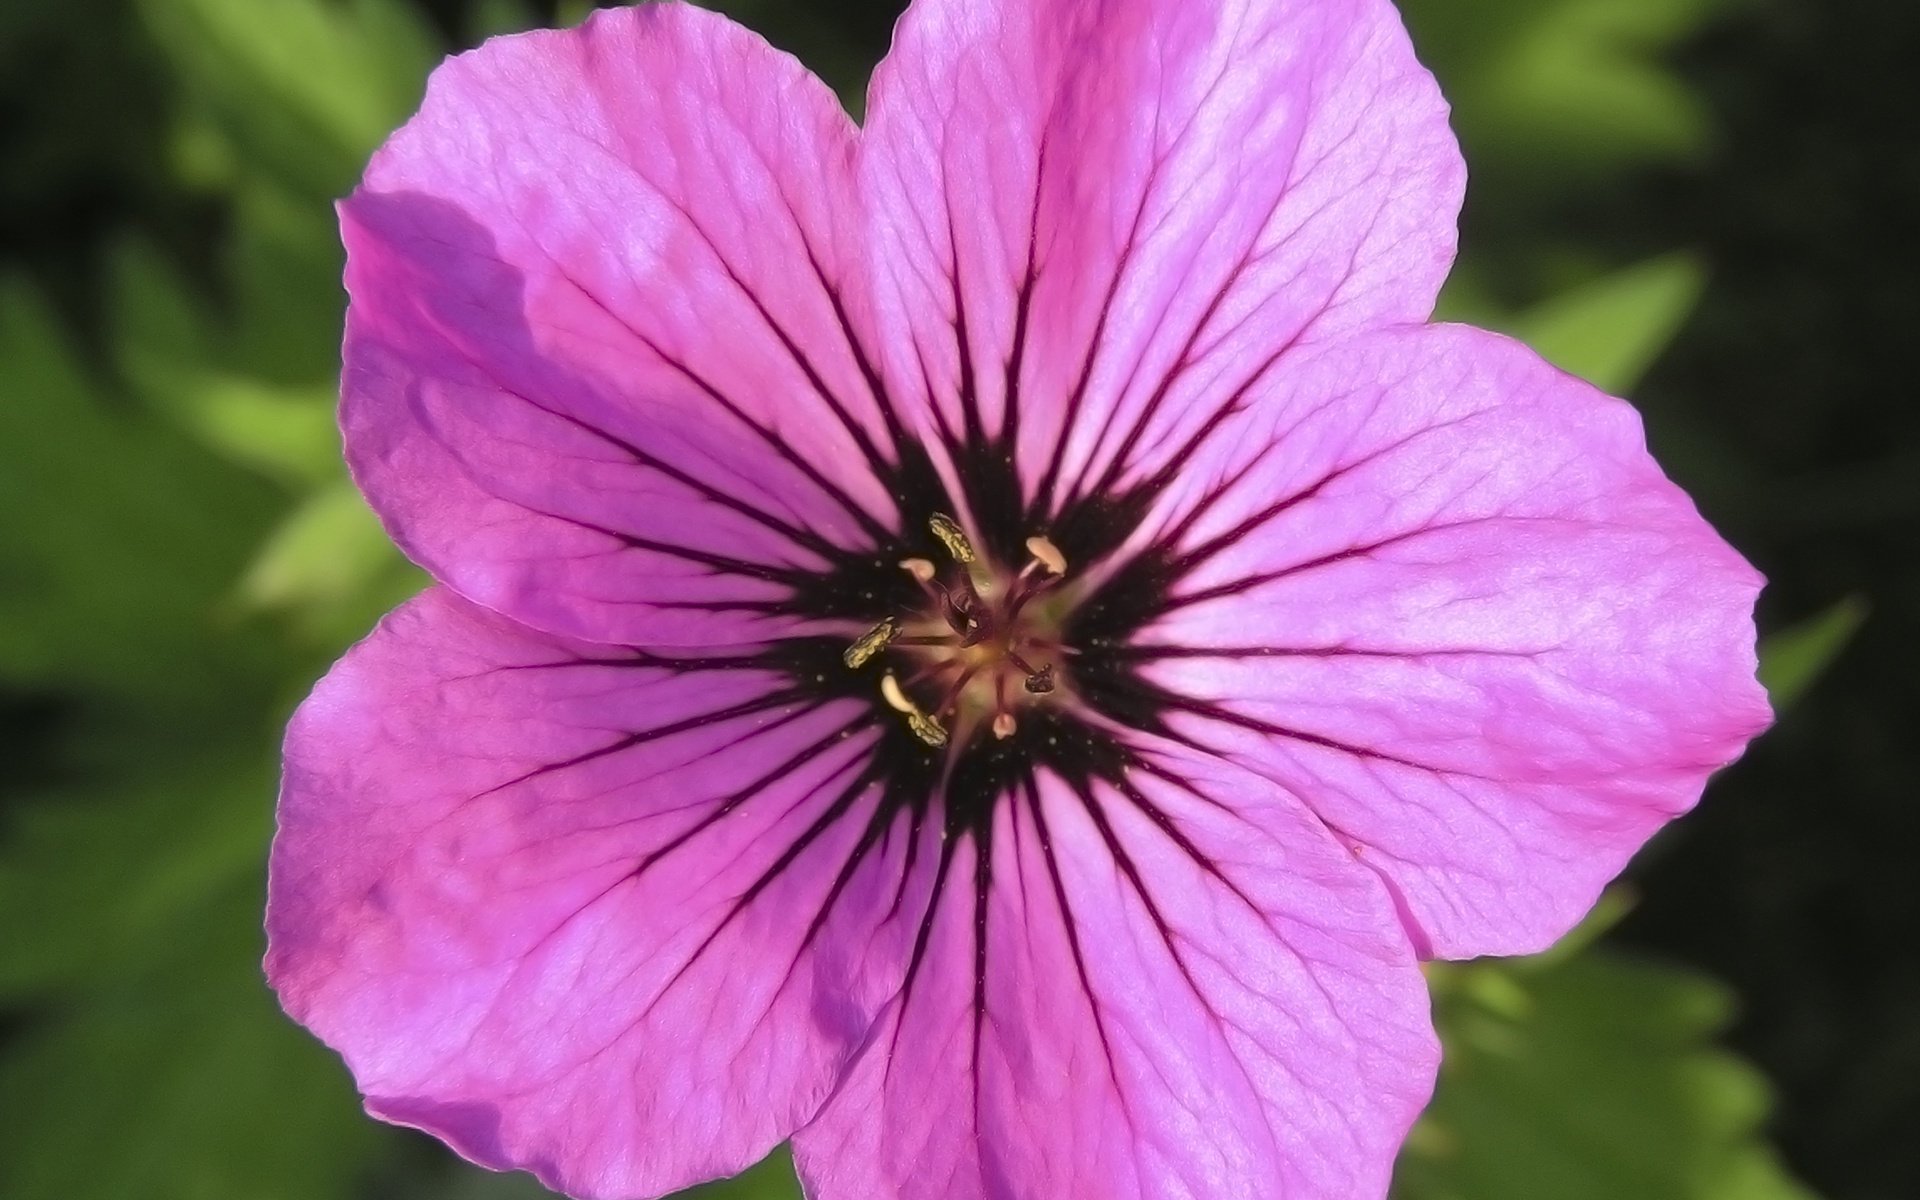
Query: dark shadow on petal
[(431, 292)]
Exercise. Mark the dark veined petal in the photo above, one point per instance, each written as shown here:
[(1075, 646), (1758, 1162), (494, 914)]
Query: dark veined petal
[(1439, 591), (1177, 984), (599, 373), (1099, 221), (614, 918)]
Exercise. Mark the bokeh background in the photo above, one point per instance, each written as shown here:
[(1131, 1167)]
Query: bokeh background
[(1708, 205)]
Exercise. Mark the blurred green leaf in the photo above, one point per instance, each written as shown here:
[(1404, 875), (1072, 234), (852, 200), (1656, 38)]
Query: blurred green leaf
[(285, 433), (1588, 1077), (250, 366), (177, 353), (490, 18), (121, 536), (287, 303), (1611, 330), (1793, 659), (771, 1179), (331, 568), (183, 1082), (567, 13), (1558, 93), (108, 874), (153, 313), (305, 88), (277, 321)]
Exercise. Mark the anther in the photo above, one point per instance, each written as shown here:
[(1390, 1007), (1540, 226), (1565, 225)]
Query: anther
[(952, 537), (1047, 554), (924, 727), (928, 730), (1041, 681), (1003, 726), (921, 570), (870, 643)]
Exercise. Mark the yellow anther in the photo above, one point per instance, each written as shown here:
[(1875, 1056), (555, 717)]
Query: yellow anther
[(1003, 726), (870, 643), (928, 730), (952, 537), (921, 570), (1047, 554)]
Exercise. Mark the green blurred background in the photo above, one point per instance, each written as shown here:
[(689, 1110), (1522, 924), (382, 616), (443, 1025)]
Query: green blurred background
[(1709, 205)]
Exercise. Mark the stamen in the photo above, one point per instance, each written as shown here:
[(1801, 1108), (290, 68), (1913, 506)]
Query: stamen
[(966, 646), (924, 727), (870, 643), (927, 729), (1048, 554), (1040, 682), (952, 537)]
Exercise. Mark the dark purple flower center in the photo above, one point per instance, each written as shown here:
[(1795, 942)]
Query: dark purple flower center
[(981, 646), (982, 673)]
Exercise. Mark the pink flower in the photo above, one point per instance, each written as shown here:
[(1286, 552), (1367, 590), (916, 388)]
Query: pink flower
[(988, 644)]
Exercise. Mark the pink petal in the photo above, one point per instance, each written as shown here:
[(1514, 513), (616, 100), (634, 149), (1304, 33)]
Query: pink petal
[(598, 373), (1439, 591), (1098, 223), (1179, 986), (616, 919)]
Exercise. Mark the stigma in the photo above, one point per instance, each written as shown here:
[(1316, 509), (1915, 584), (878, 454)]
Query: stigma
[(982, 644)]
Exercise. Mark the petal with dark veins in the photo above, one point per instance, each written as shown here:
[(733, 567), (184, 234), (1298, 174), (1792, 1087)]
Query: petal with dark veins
[(1439, 591), (600, 373), (1168, 984), (1099, 221), (614, 918)]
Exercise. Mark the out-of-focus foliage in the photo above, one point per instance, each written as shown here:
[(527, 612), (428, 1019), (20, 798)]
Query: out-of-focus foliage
[(1556, 94), (1610, 331), (131, 889), (172, 1073), (1793, 659), (771, 1180), (1607, 331), (182, 554), (163, 526), (1558, 104), (301, 88), (1582, 1074)]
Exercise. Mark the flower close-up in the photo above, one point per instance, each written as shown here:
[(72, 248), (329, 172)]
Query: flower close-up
[(988, 643)]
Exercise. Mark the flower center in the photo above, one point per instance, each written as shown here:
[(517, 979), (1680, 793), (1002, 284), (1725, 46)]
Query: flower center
[(983, 645)]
